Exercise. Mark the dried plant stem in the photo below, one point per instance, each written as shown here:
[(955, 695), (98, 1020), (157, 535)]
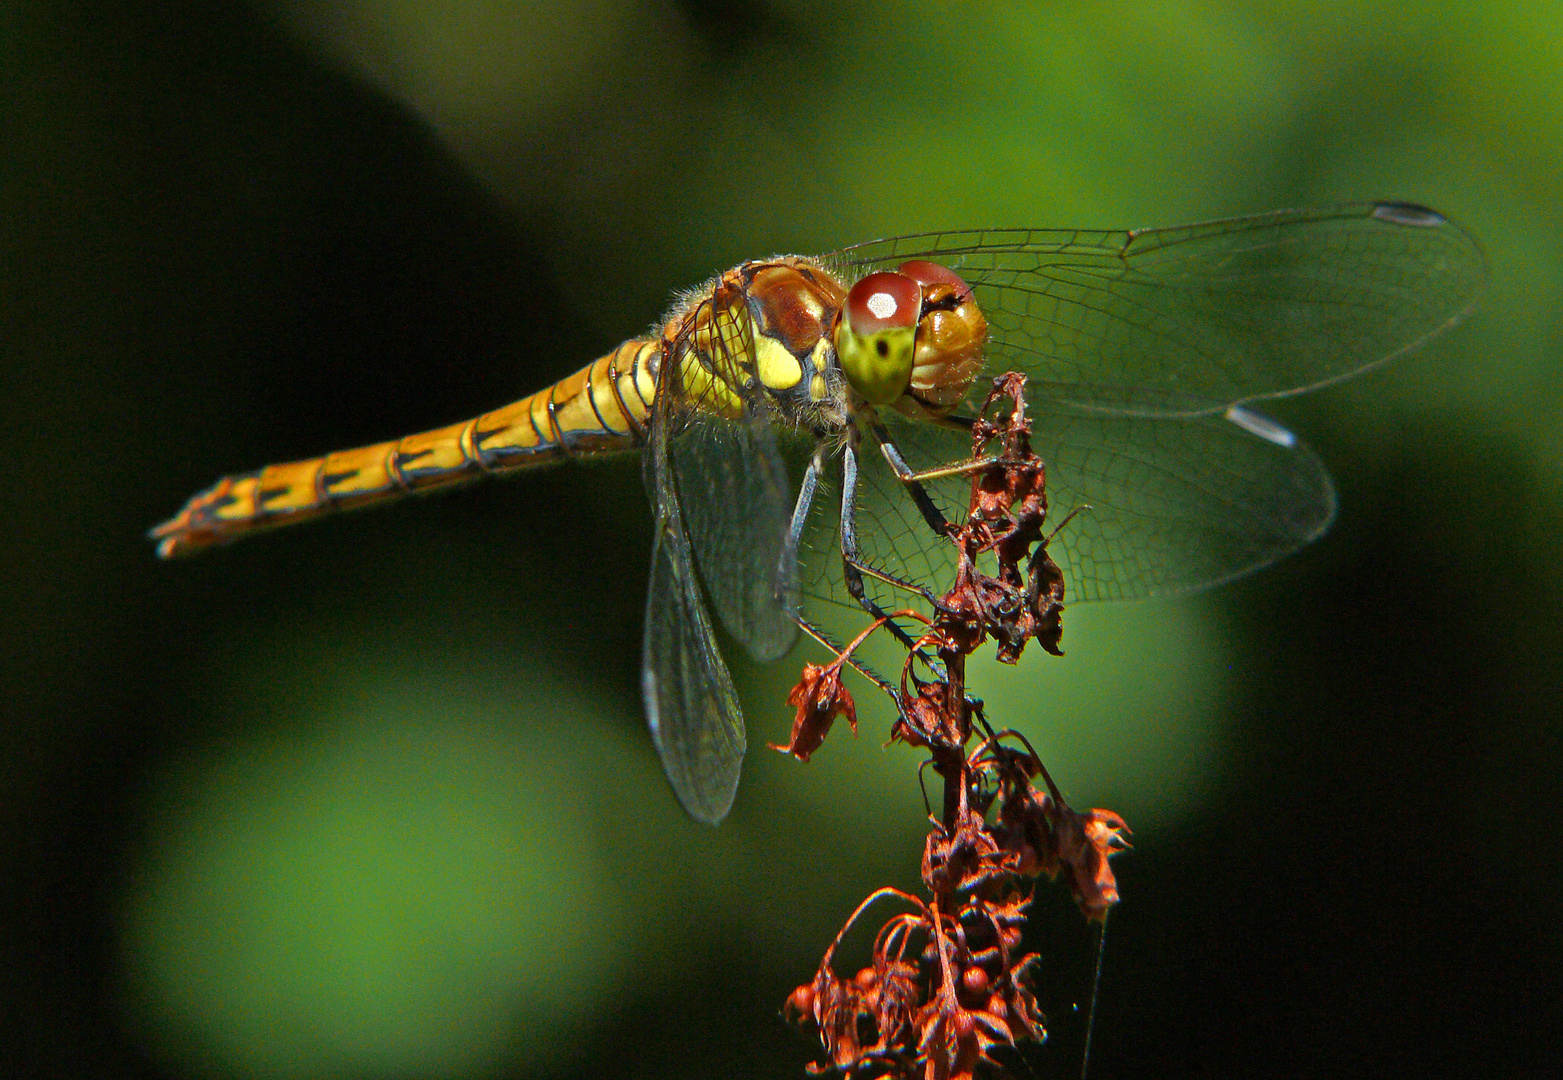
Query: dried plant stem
[(941, 1011)]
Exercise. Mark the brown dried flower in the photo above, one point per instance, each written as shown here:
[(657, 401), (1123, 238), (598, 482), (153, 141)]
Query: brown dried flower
[(948, 984), (819, 698)]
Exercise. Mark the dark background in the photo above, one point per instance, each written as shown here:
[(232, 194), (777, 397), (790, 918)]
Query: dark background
[(374, 798)]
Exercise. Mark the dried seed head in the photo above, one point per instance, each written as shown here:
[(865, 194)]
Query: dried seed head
[(948, 982)]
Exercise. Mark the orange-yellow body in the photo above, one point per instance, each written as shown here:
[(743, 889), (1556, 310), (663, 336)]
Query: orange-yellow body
[(602, 407), (765, 324)]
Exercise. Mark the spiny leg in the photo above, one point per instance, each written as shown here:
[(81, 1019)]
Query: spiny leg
[(913, 482), (800, 514), (932, 515), (800, 510), (853, 566), (830, 644)]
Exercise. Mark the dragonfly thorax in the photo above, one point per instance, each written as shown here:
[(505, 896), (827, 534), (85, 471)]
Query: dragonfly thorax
[(769, 324)]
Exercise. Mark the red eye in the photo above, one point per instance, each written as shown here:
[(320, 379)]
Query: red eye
[(883, 301), (930, 273)]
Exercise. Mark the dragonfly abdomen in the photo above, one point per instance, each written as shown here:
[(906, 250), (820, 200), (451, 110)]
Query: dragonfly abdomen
[(600, 409)]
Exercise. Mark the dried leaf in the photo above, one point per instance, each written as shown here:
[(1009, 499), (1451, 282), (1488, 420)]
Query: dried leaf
[(1085, 843), (948, 983), (1045, 598), (819, 698)]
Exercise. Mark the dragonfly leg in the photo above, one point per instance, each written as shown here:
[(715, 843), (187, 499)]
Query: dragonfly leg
[(853, 566), (914, 481), (800, 511), (959, 468), (858, 665)]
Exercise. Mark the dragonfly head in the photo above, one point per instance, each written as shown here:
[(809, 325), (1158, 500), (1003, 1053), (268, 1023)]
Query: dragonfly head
[(911, 338)]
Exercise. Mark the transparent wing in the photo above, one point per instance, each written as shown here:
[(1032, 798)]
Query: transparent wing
[(690, 703), (719, 489), (1199, 317), (736, 511), (1161, 504)]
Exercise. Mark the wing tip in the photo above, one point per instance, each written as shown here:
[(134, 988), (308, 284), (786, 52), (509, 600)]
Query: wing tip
[(1409, 213)]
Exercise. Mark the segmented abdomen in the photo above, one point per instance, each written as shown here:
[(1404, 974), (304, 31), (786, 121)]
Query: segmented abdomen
[(601, 408)]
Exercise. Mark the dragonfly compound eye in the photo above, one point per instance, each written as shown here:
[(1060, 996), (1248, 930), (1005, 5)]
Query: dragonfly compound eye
[(931, 274), (951, 331), (877, 334)]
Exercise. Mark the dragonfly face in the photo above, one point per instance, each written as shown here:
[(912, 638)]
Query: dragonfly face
[(1144, 352), (910, 339)]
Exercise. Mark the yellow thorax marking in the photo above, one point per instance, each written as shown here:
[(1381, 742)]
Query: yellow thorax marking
[(820, 357), (778, 369)]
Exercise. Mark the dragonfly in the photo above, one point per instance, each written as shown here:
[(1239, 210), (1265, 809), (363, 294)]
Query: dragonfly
[(802, 421)]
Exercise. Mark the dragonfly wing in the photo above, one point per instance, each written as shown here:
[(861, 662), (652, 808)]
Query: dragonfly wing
[(1199, 317), (732, 486), (1169, 505), (718, 487), (1160, 505), (690, 703)]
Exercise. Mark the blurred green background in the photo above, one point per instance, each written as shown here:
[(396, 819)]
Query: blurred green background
[(374, 798)]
